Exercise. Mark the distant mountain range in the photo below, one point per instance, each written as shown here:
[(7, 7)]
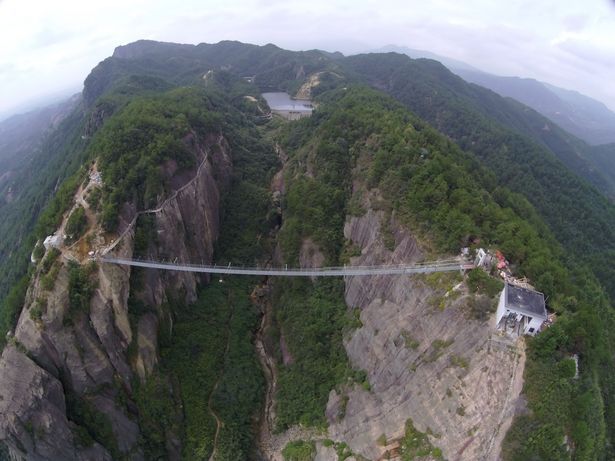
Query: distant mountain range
[(578, 114), (401, 160), (21, 136)]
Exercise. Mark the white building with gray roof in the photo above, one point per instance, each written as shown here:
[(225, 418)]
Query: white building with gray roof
[(520, 310)]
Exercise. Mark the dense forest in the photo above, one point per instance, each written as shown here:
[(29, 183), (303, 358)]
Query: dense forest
[(454, 163), (208, 364), (452, 105), (517, 161), (441, 193)]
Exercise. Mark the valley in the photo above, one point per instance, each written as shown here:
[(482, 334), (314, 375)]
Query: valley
[(394, 355)]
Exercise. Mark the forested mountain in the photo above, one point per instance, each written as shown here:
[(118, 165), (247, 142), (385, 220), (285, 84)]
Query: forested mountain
[(173, 155), (272, 67), (33, 177), (580, 115), (509, 113), (21, 136), (505, 139), (452, 64), (604, 157), (144, 67)]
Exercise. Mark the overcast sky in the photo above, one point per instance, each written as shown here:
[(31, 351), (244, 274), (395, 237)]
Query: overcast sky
[(49, 47)]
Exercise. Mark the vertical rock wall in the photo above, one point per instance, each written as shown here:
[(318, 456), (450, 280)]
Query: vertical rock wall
[(452, 375), (57, 358)]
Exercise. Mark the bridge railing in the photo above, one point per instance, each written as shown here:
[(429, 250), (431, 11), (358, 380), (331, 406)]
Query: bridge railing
[(175, 264)]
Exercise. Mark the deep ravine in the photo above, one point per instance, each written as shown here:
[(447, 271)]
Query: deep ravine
[(212, 411), (260, 297)]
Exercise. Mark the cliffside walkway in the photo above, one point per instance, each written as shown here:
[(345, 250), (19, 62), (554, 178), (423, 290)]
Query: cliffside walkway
[(417, 268), (160, 207)]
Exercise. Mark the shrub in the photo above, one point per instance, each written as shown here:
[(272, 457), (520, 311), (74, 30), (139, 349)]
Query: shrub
[(459, 361), (80, 290), (50, 258), (36, 311), (409, 341), (48, 280), (299, 450), (39, 251), (480, 282), (437, 349), (415, 444), (94, 198), (93, 425), (11, 308), (76, 225), (480, 306)]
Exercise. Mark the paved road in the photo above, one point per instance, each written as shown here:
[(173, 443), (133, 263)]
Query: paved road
[(436, 266)]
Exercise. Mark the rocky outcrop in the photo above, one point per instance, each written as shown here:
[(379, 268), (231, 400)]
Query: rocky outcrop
[(305, 92), (310, 256), (59, 355), (427, 361), (96, 117), (33, 409), (188, 226)]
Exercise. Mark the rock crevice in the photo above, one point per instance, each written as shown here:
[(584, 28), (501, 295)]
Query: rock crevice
[(87, 355), (425, 361)]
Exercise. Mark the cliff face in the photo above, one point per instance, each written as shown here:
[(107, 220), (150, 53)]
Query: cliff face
[(426, 359), (65, 368)]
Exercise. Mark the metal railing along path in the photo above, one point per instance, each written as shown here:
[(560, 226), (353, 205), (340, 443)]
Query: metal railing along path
[(417, 268), (161, 206)]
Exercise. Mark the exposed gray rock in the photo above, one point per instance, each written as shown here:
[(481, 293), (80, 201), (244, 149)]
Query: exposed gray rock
[(188, 226), (33, 422), (86, 354), (450, 374), (325, 453), (111, 324), (310, 255), (126, 430), (147, 344)]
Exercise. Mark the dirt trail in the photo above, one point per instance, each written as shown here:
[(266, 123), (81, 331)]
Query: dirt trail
[(219, 422), (78, 250), (260, 297)]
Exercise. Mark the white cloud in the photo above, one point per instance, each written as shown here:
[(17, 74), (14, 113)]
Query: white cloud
[(49, 46)]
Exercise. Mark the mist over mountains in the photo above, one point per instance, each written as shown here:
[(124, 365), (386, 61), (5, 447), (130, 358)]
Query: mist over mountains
[(582, 116), (171, 153)]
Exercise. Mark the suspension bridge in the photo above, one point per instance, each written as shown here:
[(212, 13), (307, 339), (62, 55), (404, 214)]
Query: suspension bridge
[(104, 256), (340, 271)]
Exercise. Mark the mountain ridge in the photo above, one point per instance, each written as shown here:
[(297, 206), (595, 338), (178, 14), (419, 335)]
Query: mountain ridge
[(581, 115), (400, 159)]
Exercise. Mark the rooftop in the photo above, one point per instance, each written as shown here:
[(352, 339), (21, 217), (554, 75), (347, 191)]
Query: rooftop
[(525, 301)]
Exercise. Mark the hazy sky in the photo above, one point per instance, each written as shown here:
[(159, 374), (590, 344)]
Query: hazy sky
[(50, 46)]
